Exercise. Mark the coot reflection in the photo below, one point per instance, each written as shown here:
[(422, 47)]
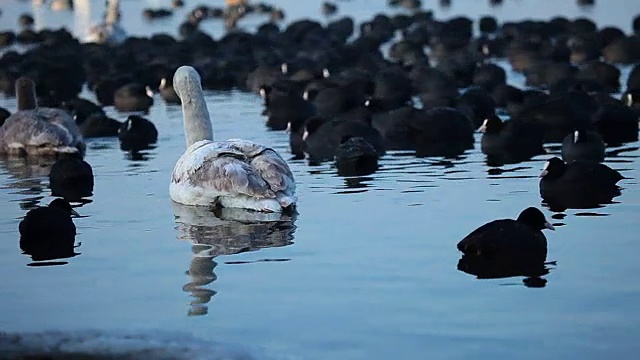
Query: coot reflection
[(225, 231), (498, 268), (48, 232)]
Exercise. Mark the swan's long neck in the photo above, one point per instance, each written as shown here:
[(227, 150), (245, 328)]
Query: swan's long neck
[(197, 123), (112, 12), (26, 94)]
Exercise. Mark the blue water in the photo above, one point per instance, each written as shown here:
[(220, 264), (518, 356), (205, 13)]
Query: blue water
[(367, 270)]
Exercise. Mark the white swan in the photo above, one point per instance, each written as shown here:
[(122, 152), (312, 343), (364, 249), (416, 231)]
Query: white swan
[(34, 130), (109, 31), (233, 173)]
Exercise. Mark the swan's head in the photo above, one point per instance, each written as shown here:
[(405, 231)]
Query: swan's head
[(186, 83)]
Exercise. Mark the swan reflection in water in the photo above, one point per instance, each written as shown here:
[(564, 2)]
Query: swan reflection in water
[(26, 174), (225, 231)]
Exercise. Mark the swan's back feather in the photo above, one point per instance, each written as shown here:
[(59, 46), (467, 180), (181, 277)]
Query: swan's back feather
[(221, 169), (274, 170), (268, 163), (40, 128)]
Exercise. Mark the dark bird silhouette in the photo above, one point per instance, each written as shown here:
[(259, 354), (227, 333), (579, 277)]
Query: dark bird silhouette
[(580, 184), (71, 178), (48, 232), (356, 157)]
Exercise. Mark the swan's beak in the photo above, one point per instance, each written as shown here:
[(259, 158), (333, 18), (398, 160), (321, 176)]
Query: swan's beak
[(483, 127), (549, 226)]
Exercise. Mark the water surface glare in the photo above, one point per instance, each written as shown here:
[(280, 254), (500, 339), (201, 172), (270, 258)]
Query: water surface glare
[(367, 269)]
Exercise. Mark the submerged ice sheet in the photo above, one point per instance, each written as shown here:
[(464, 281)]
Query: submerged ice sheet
[(121, 345)]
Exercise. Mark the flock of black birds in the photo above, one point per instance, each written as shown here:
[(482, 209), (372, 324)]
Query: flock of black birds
[(348, 92)]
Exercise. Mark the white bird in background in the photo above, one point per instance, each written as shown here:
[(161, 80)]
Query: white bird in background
[(234, 173), (109, 31)]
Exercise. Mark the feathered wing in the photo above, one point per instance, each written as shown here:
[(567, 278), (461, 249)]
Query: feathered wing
[(274, 170), (271, 167), (33, 131), (576, 171), (211, 166), (486, 238)]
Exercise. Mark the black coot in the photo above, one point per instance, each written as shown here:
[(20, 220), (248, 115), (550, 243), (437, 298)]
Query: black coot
[(506, 248), (356, 157), (580, 184), (583, 145), (508, 238), (137, 133), (510, 142), (71, 178)]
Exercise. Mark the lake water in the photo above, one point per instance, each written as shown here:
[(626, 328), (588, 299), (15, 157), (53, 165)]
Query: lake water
[(367, 269)]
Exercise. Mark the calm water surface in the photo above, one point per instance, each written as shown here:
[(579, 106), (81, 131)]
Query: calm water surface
[(367, 270)]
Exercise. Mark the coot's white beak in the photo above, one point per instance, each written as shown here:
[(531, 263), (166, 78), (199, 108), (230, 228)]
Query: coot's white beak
[(549, 226), (305, 95), (305, 135), (544, 170), (149, 92), (288, 129), (483, 127), (629, 100)]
